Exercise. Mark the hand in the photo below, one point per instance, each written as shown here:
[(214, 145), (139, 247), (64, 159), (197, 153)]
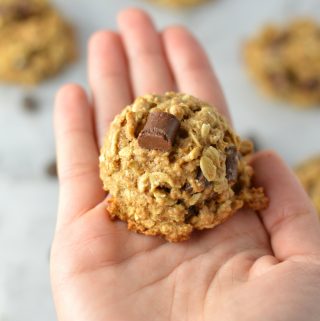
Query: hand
[(252, 267)]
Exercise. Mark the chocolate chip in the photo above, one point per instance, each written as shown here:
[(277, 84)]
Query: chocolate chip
[(187, 187), (20, 10), (51, 169), (201, 179), (182, 133), (164, 189), (231, 163), (30, 103), (159, 131), (280, 40), (23, 11), (192, 211), (237, 188)]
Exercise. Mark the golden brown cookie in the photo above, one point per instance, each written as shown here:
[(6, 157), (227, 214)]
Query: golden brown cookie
[(172, 165), (15, 10), (35, 42), (285, 61), (309, 175)]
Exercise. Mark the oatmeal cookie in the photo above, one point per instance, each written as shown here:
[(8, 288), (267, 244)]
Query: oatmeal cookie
[(285, 61), (35, 42), (14, 10), (172, 164), (309, 175)]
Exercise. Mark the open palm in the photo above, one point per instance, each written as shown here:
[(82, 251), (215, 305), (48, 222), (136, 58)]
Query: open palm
[(253, 267)]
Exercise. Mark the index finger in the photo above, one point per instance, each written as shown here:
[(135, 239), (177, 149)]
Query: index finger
[(192, 69)]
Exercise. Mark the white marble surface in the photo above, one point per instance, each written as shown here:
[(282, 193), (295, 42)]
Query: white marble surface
[(28, 199)]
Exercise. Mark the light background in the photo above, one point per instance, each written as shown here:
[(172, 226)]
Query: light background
[(28, 199)]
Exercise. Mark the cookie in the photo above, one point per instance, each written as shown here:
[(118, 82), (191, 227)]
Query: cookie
[(309, 175), (172, 164), (285, 61), (15, 10), (35, 42), (178, 3)]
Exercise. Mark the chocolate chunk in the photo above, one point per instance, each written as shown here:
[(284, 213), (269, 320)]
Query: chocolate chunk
[(159, 131), (164, 189), (237, 187), (182, 133), (201, 179), (20, 10), (23, 11), (279, 40), (231, 163), (30, 103), (51, 169), (187, 187), (192, 211)]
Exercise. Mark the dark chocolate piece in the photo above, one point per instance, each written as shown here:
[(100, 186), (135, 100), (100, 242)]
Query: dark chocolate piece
[(231, 163), (159, 131), (187, 187), (30, 103), (182, 133), (20, 10), (51, 169), (164, 189), (201, 179), (279, 40), (192, 211)]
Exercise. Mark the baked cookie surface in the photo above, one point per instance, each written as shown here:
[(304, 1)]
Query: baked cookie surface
[(35, 42), (309, 175), (15, 10), (172, 164), (285, 61)]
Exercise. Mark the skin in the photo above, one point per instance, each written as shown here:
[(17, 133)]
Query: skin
[(262, 266)]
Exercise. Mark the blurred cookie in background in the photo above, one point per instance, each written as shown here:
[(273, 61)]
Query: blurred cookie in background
[(285, 61), (35, 41), (178, 3), (309, 175), (13, 10)]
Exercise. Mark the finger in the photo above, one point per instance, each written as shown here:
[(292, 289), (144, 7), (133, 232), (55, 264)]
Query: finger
[(191, 68), (109, 78), (148, 66), (290, 219), (77, 155)]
